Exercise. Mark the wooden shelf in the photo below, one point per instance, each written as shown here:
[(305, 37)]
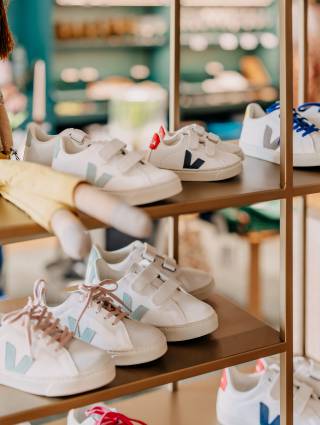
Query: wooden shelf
[(259, 181), (193, 403), (306, 180), (240, 338)]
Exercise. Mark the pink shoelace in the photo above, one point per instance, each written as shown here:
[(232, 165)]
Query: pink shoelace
[(104, 298), (108, 417), (35, 317)]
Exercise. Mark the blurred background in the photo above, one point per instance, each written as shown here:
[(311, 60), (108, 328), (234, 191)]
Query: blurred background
[(107, 63), (103, 66)]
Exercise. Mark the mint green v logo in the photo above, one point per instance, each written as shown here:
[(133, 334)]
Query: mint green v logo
[(139, 312), (10, 360), (91, 176), (86, 336)]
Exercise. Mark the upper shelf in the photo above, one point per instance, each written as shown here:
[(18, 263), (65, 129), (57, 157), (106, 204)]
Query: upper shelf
[(258, 182), (240, 338)]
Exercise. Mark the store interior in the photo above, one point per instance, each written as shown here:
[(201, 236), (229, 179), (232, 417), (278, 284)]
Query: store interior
[(103, 70)]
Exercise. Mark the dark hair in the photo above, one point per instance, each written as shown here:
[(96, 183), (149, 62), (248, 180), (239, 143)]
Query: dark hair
[(6, 40)]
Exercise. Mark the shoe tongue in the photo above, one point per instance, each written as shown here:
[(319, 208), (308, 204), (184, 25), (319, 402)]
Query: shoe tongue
[(77, 136)]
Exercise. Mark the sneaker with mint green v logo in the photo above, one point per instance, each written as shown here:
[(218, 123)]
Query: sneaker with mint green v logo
[(92, 314), (153, 298), (41, 356)]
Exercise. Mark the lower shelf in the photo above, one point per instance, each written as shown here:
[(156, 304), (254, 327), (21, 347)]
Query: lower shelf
[(193, 403), (240, 338)]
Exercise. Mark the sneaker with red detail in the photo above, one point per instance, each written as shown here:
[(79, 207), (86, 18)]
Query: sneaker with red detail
[(195, 155), (100, 414)]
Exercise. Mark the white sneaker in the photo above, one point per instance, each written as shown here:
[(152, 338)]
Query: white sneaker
[(90, 313), (99, 414), (305, 370), (194, 156), (156, 299), (251, 399), (196, 282), (110, 166), (204, 135), (260, 136), (311, 111), (40, 356), (308, 371), (40, 146)]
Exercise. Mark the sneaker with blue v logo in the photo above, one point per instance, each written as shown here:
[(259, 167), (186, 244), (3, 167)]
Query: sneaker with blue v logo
[(260, 135), (195, 154), (254, 399)]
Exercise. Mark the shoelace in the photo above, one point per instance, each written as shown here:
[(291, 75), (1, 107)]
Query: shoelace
[(304, 106), (300, 124), (36, 317), (103, 298), (108, 417)]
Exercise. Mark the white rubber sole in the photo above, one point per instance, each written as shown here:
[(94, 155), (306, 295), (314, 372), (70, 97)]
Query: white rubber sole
[(210, 175), (59, 387), (147, 354), (191, 330), (148, 195), (204, 292), (299, 160)]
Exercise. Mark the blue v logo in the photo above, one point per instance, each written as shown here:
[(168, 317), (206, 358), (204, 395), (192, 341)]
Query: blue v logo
[(86, 336), (264, 416), (10, 360)]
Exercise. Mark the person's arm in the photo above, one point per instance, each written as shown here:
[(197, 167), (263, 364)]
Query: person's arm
[(5, 129)]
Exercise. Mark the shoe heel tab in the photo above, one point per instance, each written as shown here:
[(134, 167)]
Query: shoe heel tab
[(254, 110), (155, 141), (162, 132), (224, 380), (91, 272)]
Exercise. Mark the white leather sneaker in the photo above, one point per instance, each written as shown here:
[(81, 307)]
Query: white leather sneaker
[(111, 167), (260, 136), (254, 398), (40, 356), (99, 414), (196, 282), (155, 299), (194, 156), (40, 146), (90, 313), (226, 146)]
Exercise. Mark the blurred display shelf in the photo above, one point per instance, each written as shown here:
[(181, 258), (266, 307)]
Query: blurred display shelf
[(216, 3), (240, 338), (213, 39), (164, 407), (229, 99), (102, 3), (116, 41)]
